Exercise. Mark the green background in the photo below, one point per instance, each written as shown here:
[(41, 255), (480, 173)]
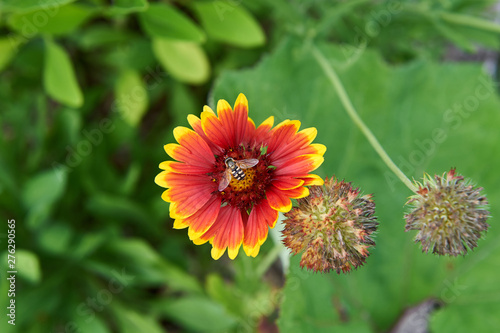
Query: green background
[(90, 92)]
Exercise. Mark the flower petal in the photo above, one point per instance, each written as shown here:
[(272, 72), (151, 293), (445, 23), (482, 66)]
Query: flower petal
[(180, 224), (195, 123), (295, 143), (226, 117), (314, 148), (203, 219), (240, 119), (296, 193), (183, 168), (281, 136), (227, 231), (300, 165), (256, 229), (183, 154), (171, 179), (186, 200), (278, 200), (286, 143), (262, 133), (208, 109), (199, 241), (160, 179), (214, 130), (194, 143), (286, 182), (311, 179)]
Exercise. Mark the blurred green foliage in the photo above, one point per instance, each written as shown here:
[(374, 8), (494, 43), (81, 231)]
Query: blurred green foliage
[(91, 90)]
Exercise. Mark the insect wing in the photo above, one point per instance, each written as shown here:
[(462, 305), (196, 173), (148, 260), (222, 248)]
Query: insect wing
[(224, 181), (247, 164)]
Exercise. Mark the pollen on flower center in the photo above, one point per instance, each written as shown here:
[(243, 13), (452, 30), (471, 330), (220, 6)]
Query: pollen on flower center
[(240, 185), (250, 190)]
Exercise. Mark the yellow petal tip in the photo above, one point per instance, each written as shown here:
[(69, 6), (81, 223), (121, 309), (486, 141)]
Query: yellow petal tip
[(222, 105), (241, 100), (208, 109), (160, 180), (217, 253)]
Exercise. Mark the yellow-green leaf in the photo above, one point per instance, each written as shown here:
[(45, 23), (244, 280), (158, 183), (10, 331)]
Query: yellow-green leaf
[(28, 266), (230, 22), (8, 47), (131, 96), (59, 20), (28, 5), (185, 61), (124, 7), (162, 20), (59, 78)]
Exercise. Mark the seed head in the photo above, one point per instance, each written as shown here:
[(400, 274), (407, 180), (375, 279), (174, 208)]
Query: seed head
[(333, 226), (449, 214)]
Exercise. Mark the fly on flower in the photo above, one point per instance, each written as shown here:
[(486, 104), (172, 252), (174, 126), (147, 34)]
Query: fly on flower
[(235, 168), (230, 178)]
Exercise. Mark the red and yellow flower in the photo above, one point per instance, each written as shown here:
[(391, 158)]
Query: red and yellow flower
[(242, 212)]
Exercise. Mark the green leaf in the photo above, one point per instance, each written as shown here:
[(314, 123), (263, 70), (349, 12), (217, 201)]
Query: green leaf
[(87, 244), (56, 238), (423, 130), (230, 22), (185, 61), (162, 20), (101, 35), (149, 265), (133, 54), (461, 318), (307, 310), (8, 48), (471, 300), (28, 265), (124, 7), (49, 6), (96, 325), (130, 321), (70, 122), (456, 37), (135, 250), (226, 295), (131, 96), (61, 20), (38, 215), (131, 179), (45, 188), (59, 78), (108, 206), (197, 314)]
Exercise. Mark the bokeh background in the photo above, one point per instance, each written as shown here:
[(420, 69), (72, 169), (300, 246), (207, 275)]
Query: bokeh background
[(91, 90)]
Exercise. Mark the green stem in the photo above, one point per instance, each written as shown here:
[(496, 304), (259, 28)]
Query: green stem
[(268, 260), (454, 18), (470, 21), (351, 111)]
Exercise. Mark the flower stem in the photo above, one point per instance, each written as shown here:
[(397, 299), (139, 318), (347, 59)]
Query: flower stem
[(470, 21), (351, 111)]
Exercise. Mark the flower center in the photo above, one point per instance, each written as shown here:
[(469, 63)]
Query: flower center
[(244, 184), (250, 190)]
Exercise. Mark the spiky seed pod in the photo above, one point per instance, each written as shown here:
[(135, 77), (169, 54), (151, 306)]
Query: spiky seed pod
[(333, 226), (449, 214)]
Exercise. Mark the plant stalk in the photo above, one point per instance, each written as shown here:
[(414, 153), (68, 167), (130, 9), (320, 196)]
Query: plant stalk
[(351, 111)]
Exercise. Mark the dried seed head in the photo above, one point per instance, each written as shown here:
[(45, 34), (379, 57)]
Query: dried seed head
[(333, 226), (449, 213)]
